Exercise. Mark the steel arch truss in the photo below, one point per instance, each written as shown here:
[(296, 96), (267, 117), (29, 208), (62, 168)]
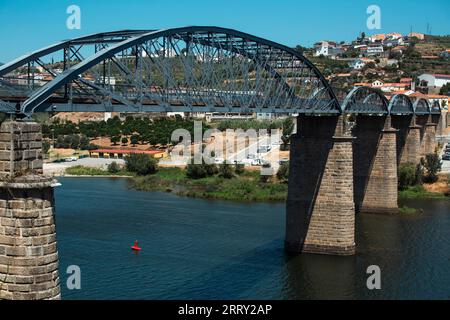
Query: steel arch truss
[(422, 107), (401, 104), (183, 69), (365, 100)]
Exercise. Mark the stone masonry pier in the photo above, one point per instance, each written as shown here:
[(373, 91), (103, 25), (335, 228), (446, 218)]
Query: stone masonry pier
[(408, 139), (28, 249), (320, 207), (375, 165)]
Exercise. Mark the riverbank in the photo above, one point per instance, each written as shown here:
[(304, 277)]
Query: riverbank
[(247, 187)]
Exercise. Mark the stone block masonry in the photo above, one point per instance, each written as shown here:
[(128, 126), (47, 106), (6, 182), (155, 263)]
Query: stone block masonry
[(20, 149), (28, 247), (320, 212), (408, 139), (375, 165)]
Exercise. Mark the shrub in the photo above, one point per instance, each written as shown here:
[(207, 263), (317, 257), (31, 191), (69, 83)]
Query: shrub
[(195, 171), (45, 147), (226, 171), (124, 140), (140, 164), (113, 167), (283, 172), (239, 168), (406, 176), (211, 169), (432, 164)]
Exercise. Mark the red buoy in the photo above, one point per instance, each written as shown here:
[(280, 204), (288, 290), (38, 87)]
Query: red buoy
[(136, 246)]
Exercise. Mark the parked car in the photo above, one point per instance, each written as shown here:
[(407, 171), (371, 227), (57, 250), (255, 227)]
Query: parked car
[(446, 157), (264, 149)]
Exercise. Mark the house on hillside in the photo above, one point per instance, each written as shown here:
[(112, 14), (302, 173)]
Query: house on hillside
[(327, 49), (417, 35), (374, 50), (434, 80)]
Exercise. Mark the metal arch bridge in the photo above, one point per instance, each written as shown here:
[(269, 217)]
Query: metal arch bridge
[(188, 69)]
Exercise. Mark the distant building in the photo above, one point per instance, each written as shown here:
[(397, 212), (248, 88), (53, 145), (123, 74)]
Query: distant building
[(373, 50), (417, 35), (122, 153), (399, 49), (394, 35), (327, 49), (357, 64), (385, 87), (406, 80), (377, 38), (434, 80), (445, 54)]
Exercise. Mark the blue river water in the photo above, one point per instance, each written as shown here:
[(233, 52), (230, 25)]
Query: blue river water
[(201, 249)]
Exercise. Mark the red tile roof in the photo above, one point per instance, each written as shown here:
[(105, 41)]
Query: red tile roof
[(127, 151), (441, 76)]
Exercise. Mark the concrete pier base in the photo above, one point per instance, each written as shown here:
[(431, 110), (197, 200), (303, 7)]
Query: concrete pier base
[(320, 213), (28, 247)]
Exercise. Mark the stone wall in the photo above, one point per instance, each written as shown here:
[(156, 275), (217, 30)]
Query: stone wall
[(320, 213), (28, 248)]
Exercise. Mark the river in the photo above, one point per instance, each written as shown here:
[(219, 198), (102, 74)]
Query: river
[(201, 249)]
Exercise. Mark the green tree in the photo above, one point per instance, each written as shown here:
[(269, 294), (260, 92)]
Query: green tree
[(115, 140), (134, 140), (113, 167), (124, 140), (433, 165), (407, 176), (45, 147), (226, 171), (195, 171), (288, 128), (239, 168), (141, 164), (84, 142), (283, 172), (445, 90)]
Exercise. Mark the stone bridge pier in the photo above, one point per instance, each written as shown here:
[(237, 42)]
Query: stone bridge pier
[(428, 134), (320, 211), (28, 250), (375, 165), (408, 139)]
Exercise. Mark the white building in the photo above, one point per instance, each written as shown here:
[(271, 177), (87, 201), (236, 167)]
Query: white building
[(435, 80), (357, 64), (374, 50), (327, 49)]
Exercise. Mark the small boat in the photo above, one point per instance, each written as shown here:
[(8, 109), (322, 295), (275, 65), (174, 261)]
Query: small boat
[(136, 246)]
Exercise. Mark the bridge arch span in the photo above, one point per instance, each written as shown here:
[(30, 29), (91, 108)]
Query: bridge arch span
[(365, 100), (401, 104), (422, 107), (219, 67)]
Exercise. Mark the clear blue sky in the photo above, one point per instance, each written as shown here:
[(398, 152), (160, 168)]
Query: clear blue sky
[(30, 24)]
